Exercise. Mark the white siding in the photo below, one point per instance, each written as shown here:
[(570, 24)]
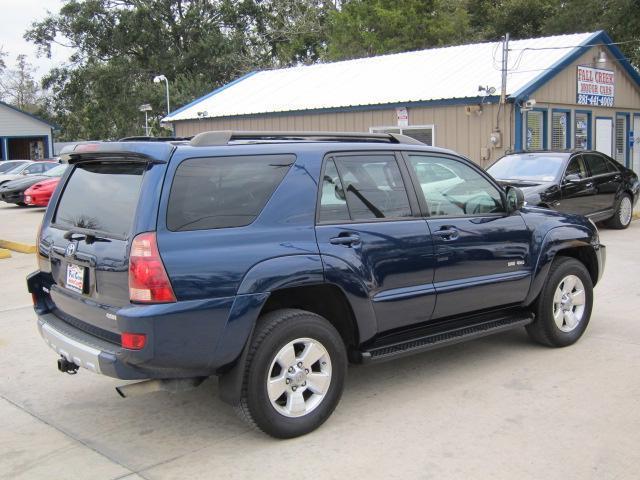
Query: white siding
[(16, 124)]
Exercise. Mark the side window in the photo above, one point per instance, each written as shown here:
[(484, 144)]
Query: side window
[(223, 192), (577, 167), (48, 166), (611, 165), (333, 204), (463, 192), (36, 168), (596, 164), (373, 187)]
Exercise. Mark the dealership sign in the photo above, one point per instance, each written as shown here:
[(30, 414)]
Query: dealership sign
[(595, 86)]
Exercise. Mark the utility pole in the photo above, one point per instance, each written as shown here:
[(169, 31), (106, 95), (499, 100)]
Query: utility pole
[(504, 69)]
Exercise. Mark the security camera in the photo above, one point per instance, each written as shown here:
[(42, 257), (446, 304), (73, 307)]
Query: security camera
[(530, 103)]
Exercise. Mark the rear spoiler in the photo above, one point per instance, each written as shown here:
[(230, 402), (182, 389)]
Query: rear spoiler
[(134, 151)]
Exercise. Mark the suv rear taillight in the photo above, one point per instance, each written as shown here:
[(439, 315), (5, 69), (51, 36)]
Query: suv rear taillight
[(148, 280)]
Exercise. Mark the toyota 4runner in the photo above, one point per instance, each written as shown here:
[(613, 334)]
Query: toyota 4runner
[(271, 260)]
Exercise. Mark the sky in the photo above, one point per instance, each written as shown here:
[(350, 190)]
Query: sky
[(17, 16)]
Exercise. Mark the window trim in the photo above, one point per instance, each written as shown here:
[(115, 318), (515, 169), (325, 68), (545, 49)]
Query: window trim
[(568, 142), (404, 174), (589, 115), (422, 201), (409, 127)]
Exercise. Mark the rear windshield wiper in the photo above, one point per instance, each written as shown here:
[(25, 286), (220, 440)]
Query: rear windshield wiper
[(89, 238)]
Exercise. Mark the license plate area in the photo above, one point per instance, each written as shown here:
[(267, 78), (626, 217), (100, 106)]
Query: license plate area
[(75, 278)]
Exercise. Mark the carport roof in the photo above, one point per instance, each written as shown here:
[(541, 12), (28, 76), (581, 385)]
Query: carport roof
[(437, 75)]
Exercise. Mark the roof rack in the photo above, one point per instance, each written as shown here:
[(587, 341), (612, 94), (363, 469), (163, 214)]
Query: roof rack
[(224, 137), (143, 138)]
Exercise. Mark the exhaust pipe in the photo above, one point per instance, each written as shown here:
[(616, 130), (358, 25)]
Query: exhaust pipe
[(172, 385)]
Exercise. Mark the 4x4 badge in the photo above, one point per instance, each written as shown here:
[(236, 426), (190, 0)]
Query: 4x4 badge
[(70, 250)]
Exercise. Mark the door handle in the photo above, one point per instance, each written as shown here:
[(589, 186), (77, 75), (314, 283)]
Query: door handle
[(447, 233), (347, 240)]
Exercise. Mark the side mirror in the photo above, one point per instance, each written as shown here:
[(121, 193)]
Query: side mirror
[(572, 178), (515, 199)]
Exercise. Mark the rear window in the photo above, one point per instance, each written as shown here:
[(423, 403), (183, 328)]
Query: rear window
[(223, 192), (101, 196)]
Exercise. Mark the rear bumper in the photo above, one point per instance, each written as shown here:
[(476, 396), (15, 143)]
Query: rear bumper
[(83, 349), (184, 339)]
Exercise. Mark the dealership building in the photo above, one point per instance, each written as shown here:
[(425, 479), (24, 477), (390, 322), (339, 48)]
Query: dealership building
[(23, 136), (573, 91)]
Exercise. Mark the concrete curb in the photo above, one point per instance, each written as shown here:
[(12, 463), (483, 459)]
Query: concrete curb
[(4, 253), (17, 246)]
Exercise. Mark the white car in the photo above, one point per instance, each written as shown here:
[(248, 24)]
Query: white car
[(28, 168)]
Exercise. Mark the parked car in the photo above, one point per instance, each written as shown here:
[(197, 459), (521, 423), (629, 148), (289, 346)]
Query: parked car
[(14, 191), (272, 259), (586, 182), (31, 168), (38, 195), (7, 165)]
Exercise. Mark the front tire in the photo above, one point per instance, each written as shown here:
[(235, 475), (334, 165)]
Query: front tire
[(624, 213), (564, 306), (294, 375)]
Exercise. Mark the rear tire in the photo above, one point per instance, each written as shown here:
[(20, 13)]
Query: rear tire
[(624, 213), (563, 308), (295, 372)]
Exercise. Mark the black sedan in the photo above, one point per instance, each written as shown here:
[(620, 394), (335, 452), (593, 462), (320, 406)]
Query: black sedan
[(587, 183), (13, 191)]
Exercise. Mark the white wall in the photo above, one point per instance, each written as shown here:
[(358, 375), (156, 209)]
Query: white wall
[(16, 124)]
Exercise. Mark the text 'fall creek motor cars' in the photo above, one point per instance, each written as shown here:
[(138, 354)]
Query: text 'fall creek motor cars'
[(271, 260), (586, 183)]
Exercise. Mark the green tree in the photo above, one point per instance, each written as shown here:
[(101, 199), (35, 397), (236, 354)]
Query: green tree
[(373, 27), (119, 45), (18, 86)]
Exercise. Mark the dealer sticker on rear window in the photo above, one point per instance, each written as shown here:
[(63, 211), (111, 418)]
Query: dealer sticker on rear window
[(75, 278)]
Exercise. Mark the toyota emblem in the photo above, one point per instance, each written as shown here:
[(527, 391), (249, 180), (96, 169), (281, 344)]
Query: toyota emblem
[(70, 250)]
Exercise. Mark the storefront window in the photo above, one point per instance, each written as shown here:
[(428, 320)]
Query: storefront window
[(581, 140), (621, 135), (559, 131), (535, 130)]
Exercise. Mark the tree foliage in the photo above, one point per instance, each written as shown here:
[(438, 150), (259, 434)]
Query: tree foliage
[(18, 86), (374, 27), (119, 45)]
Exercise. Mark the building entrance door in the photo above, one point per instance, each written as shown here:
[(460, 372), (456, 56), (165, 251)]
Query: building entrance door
[(604, 135)]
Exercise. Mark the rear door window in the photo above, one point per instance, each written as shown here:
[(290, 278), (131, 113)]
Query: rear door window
[(373, 187), (596, 164), (223, 192), (101, 196)]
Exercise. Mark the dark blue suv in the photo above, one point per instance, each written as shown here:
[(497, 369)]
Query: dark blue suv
[(271, 260)]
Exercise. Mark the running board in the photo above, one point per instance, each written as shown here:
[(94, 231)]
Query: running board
[(445, 337)]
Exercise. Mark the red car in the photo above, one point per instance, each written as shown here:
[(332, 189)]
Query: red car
[(39, 194)]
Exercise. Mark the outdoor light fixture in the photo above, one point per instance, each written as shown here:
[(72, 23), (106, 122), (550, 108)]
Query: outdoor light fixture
[(602, 57), (162, 78)]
